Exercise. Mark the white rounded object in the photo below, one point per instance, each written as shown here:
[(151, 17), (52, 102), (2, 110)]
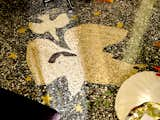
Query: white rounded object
[(138, 89)]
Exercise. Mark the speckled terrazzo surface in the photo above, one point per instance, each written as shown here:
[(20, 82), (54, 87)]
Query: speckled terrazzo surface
[(95, 101)]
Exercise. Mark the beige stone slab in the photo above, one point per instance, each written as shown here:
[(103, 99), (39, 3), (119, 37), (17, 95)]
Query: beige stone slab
[(99, 66), (91, 63), (39, 51)]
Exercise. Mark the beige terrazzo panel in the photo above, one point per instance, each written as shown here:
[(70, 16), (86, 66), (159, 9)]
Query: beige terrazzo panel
[(33, 62), (39, 52), (99, 66)]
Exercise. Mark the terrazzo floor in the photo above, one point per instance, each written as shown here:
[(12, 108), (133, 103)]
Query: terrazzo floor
[(94, 101)]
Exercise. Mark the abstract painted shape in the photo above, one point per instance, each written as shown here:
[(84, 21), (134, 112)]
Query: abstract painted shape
[(138, 89), (46, 65), (99, 67), (48, 25), (48, 61)]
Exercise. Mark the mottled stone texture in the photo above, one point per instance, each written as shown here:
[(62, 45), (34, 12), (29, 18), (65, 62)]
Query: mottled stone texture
[(98, 100)]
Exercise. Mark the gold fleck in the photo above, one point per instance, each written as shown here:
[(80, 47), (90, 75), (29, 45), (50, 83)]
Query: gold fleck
[(120, 24), (78, 108), (97, 13), (21, 30), (28, 78), (12, 55), (30, 25), (74, 17), (46, 99)]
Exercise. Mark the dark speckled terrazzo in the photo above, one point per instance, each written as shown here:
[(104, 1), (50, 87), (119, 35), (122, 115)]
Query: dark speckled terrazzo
[(13, 72)]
